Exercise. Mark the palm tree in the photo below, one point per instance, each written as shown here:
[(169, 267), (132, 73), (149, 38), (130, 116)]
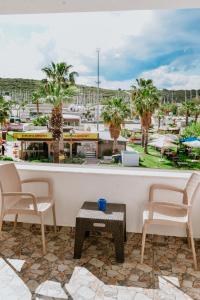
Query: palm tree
[(187, 109), (196, 110), (145, 97), (36, 96), (160, 115), (23, 104), (60, 74), (5, 107), (55, 94), (114, 113)]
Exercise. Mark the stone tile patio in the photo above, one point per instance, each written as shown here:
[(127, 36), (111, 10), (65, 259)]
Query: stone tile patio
[(166, 259)]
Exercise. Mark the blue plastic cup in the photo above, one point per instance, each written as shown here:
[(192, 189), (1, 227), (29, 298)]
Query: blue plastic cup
[(102, 203)]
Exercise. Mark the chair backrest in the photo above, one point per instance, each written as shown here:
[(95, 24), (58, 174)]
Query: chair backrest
[(192, 187), (9, 182)]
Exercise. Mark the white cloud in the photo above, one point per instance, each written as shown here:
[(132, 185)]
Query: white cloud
[(131, 43), (28, 42), (165, 77), (107, 84)]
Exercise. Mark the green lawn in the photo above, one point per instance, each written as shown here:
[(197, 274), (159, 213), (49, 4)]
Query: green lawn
[(153, 160), (9, 136)]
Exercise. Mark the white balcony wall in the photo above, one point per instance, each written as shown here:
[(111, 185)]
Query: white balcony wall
[(74, 185)]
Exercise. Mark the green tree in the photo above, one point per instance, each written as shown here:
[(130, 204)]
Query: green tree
[(61, 73), (145, 97), (56, 94), (58, 88), (160, 115), (5, 108), (192, 131), (36, 99), (114, 113), (196, 110), (187, 109), (41, 121)]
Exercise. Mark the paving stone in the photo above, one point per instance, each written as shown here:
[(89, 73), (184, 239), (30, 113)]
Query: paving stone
[(51, 257), (62, 268), (187, 283), (96, 262), (179, 269), (164, 257), (32, 284), (144, 267)]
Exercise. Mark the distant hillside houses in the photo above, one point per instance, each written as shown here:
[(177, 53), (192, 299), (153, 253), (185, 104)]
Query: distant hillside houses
[(22, 90), (19, 89)]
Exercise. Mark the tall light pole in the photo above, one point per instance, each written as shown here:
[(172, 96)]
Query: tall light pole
[(185, 96), (98, 85)]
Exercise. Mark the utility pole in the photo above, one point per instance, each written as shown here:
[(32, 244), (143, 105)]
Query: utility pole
[(98, 85), (185, 96)]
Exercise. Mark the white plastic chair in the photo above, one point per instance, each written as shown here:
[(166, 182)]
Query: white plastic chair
[(14, 201), (170, 213)]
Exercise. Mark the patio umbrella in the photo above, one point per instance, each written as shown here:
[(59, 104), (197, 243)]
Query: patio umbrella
[(193, 144), (172, 137), (169, 136), (162, 143)]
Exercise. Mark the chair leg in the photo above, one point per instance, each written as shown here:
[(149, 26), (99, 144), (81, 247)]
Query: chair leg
[(43, 234), (193, 246), (54, 217), (143, 242), (188, 235), (1, 224), (15, 222)]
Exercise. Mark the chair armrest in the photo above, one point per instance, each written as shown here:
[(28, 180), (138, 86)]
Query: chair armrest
[(154, 187), (32, 196), (41, 180), (170, 204)]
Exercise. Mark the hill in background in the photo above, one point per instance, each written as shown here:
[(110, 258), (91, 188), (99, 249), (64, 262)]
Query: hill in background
[(20, 89)]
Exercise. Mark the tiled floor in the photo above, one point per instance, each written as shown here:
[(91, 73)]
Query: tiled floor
[(166, 258)]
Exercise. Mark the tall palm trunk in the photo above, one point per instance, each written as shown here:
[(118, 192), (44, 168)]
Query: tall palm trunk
[(142, 141), (56, 129), (146, 138), (186, 118), (114, 133), (196, 118), (159, 121), (146, 123), (37, 107), (61, 130), (56, 151), (114, 145)]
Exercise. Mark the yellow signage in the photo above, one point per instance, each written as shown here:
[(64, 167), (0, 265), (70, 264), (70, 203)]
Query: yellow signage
[(48, 135), (30, 135), (81, 136)]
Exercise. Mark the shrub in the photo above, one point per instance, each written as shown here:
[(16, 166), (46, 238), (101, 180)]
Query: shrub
[(41, 121), (75, 160), (126, 133), (7, 158), (192, 131)]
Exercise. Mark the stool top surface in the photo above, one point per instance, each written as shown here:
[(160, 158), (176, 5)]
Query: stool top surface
[(114, 211)]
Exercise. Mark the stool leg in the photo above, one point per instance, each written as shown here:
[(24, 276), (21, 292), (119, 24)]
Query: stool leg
[(79, 239), (118, 234)]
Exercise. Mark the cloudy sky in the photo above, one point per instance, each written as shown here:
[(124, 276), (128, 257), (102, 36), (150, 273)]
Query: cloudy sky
[(162, 45)]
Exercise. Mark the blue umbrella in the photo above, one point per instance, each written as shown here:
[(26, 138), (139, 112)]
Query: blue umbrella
[(190, 139)]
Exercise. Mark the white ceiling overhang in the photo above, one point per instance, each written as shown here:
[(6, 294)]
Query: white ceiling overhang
[(53, 6)]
